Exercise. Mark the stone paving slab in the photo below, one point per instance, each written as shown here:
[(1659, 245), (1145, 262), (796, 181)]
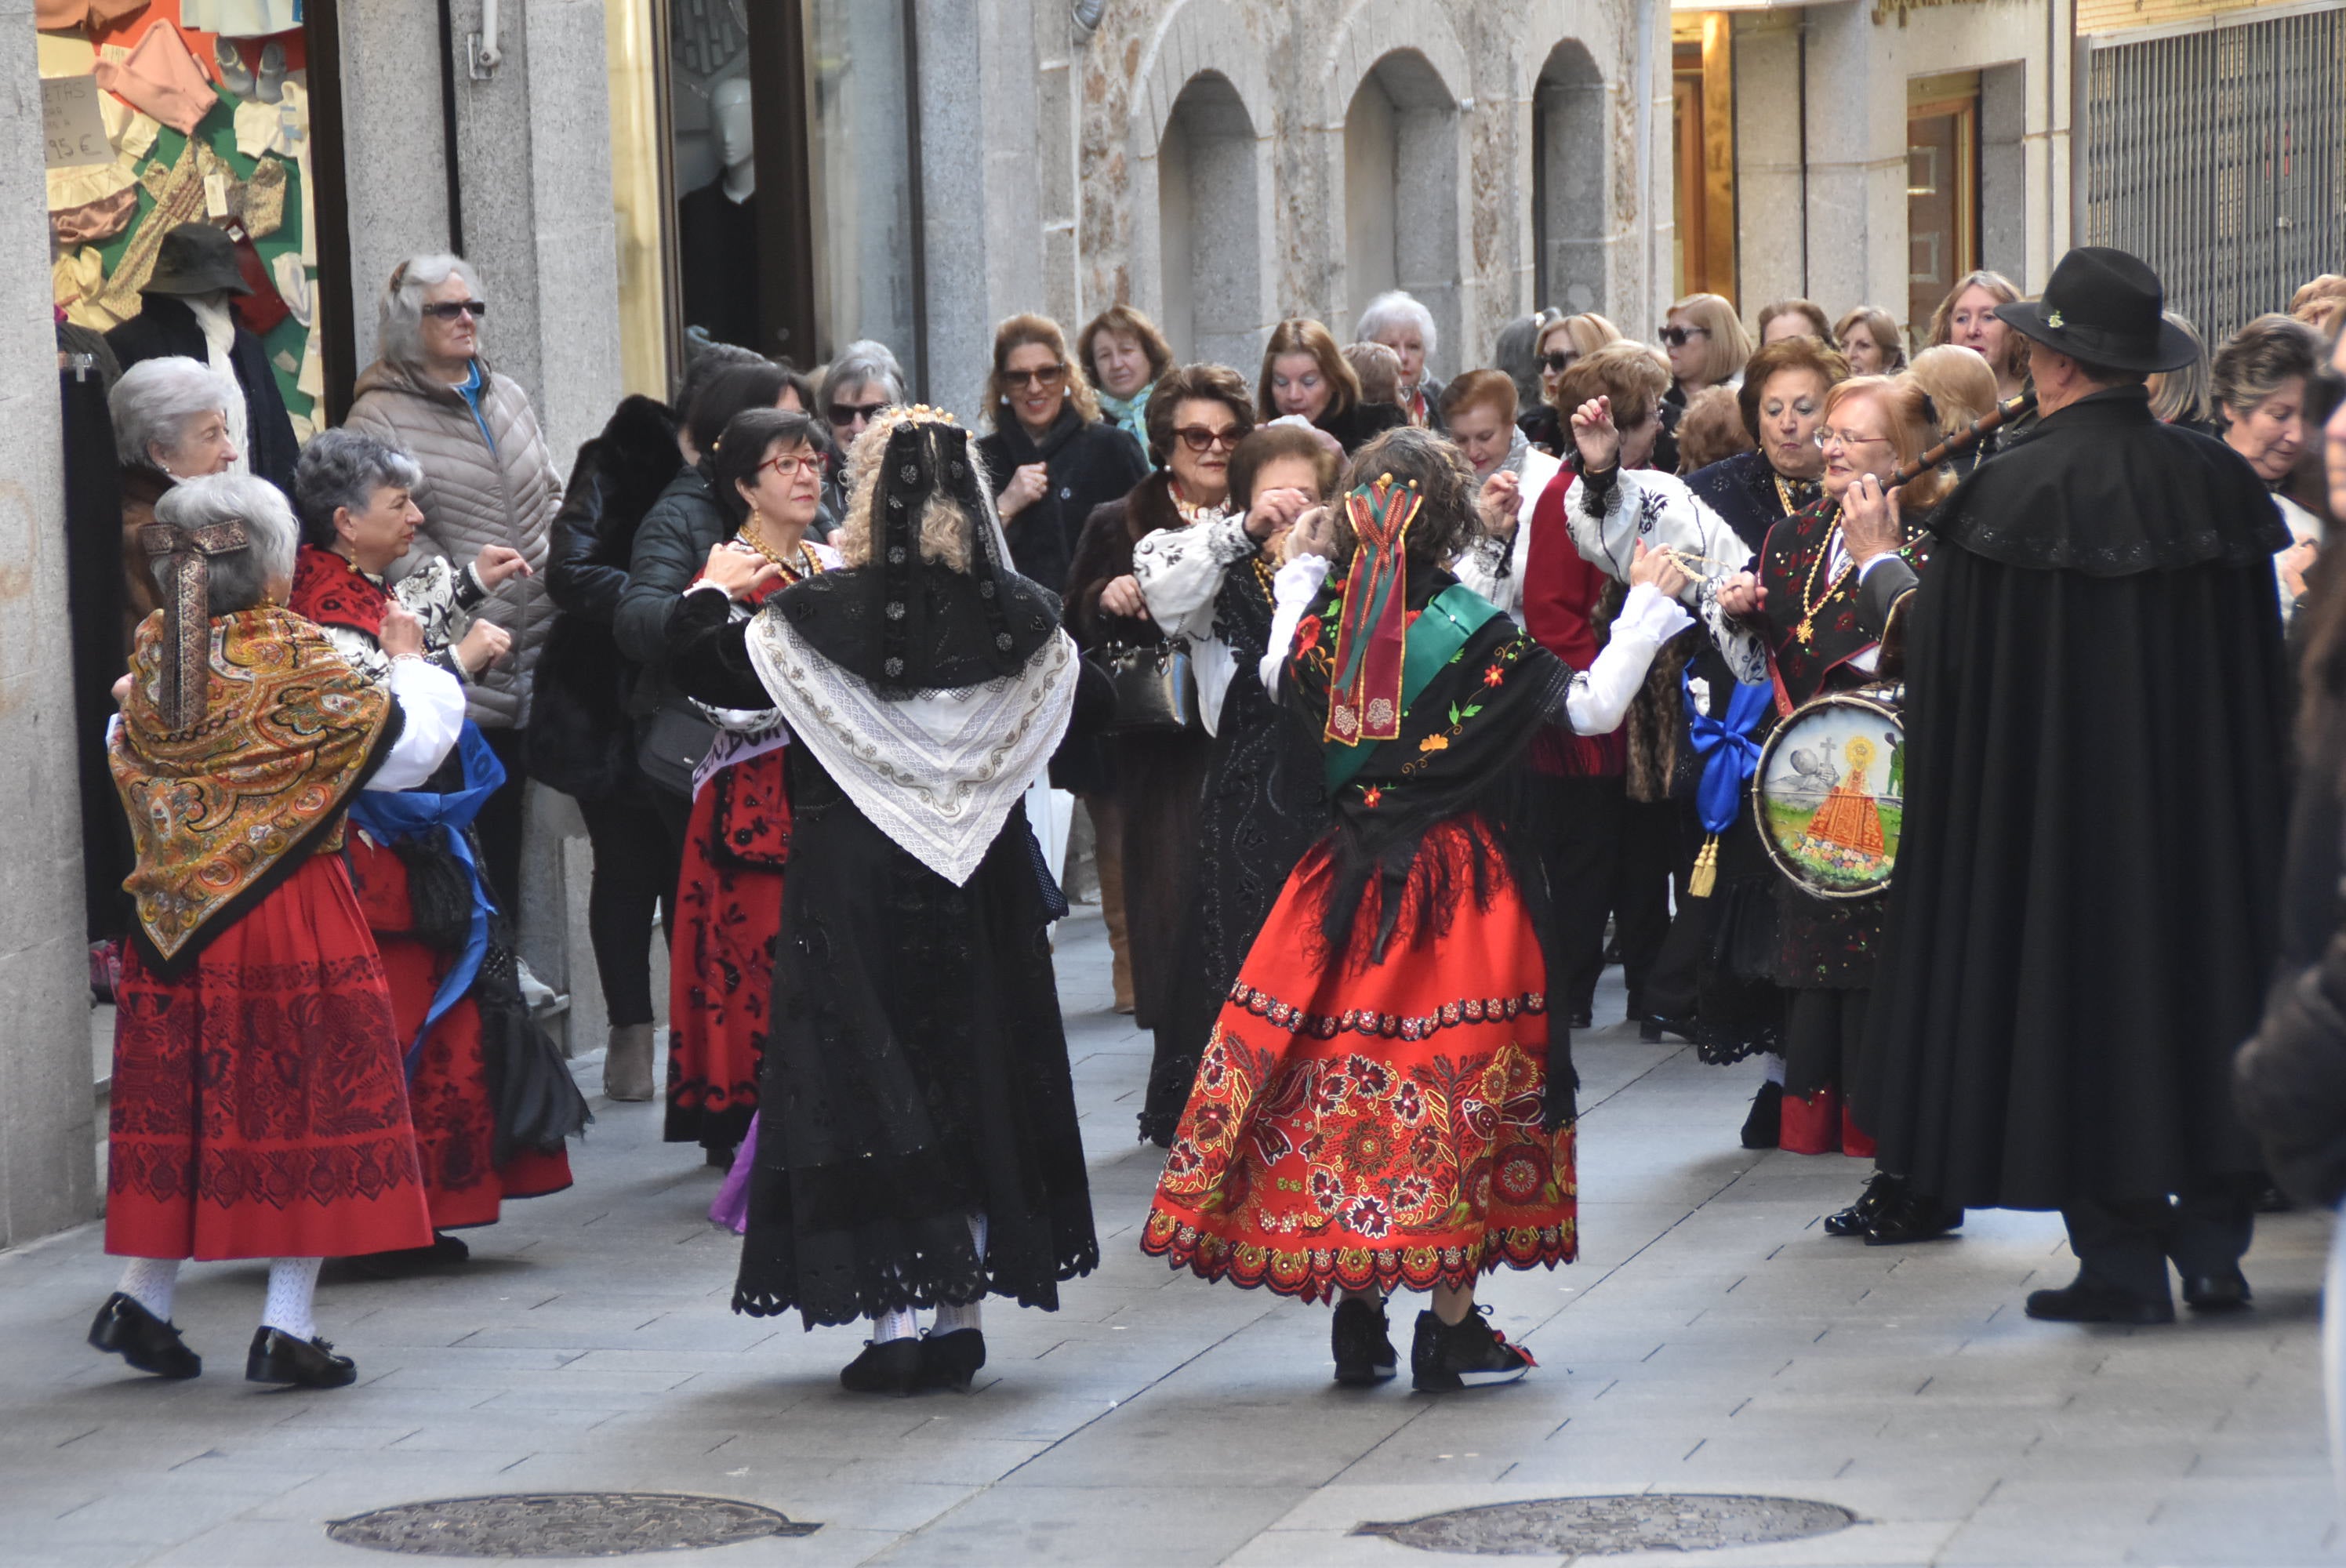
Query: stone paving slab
[(1711, 1339)]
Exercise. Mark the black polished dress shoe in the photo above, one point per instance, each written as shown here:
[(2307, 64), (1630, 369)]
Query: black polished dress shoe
[(277, 1357), (1764, 1127), (951, 1360), (2216, 1292), (1879, 1194), (2085, 1303), (127, 1330), (892, 1368), (1909, 1216)]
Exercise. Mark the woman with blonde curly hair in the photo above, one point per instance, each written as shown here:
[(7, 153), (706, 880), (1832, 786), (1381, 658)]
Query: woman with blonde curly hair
[(1052, 455), (917, 1146)]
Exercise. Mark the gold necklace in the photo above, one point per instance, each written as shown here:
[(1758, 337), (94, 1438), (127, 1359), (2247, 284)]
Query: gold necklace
[(1807, 630), (808, 563)]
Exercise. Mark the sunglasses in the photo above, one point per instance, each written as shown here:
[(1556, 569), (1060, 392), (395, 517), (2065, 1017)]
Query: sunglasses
[(449, 309), (1197, 438), (848, 412), (1048, 376), (1679, 337), (1556, 364)]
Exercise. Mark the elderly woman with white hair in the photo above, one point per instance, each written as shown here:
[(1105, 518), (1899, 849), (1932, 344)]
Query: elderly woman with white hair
[(488, 479), (864, 380), (1401, 323), (258, 1108), (170, 423)]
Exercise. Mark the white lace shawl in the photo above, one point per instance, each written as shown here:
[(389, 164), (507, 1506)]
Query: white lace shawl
[(937, 772)]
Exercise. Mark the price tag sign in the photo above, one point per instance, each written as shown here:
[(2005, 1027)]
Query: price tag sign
[(77, 131)]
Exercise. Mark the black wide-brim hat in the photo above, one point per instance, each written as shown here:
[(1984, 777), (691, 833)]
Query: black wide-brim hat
[(2104, 307), (196, 259)]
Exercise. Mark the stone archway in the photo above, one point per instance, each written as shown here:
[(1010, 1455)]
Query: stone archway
[(1571, 158), (1396, 81), (1199, 262)]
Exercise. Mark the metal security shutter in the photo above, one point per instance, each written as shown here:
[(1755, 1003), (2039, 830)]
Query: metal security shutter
[(2218, 156)]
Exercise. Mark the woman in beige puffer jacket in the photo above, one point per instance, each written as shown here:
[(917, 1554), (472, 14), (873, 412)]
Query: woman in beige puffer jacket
[(488, 479)]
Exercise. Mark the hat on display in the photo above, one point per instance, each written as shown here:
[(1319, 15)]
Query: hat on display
[(2103, 307), (197, 258)]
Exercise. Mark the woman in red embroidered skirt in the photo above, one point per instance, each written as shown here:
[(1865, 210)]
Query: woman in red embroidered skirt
[(767, 475), (259, 1109), (1386, 1100), (357, 497)]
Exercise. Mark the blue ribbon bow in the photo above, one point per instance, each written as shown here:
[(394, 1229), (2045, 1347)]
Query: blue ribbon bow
[(389, 816), (1733, 756)]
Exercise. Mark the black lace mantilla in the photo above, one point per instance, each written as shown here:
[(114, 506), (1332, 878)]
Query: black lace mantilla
[(842, 618)]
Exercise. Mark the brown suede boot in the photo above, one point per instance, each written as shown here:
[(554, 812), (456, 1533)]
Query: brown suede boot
[(628, 1063)]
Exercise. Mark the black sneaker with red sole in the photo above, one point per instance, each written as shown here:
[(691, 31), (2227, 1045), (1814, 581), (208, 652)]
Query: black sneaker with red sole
[(1466, 1355)]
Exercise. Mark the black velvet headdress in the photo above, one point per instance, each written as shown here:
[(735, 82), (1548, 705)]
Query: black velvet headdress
[(928, 458)]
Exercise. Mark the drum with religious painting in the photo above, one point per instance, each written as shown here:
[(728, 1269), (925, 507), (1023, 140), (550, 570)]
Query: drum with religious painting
[(1829, 792)]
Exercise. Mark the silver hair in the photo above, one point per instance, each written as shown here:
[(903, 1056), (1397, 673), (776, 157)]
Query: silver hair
[(154, 400), (345, 468), (399, 316), (1391, 309), (867, 360), (239, 579)]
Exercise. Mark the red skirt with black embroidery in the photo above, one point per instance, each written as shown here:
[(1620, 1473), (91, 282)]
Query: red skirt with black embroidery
[(455, 1123), (720, 986), (1359, 1124), (260, 1109)]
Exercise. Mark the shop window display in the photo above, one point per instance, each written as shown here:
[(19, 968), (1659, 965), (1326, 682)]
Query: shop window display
[(205, 109)]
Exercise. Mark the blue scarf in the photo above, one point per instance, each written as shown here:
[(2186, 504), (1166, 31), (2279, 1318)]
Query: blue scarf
[(389, 816)]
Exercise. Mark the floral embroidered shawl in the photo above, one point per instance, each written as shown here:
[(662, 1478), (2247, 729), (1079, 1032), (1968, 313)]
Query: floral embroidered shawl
[(222, 812)]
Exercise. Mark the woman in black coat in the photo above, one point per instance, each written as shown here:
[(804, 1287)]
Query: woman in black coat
[(1051, 457), (581, 739)]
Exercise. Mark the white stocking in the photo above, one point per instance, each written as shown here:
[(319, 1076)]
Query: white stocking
[(902, 1323), (151, 1282), (1775, 1068), (292, 1293), (955, 1315)]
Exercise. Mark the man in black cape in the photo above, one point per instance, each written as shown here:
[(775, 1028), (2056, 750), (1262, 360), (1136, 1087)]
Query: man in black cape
[(2084, 917)]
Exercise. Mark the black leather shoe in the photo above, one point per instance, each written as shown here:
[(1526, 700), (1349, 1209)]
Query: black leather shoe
[(128, 1331), (446, 1251), (2084, 1303), (1908, 1217), (1764, 1127), (1361, 1341), (893, 1368), (2216, 1292), (1881, 1193), (277, 1357), (1584, 1019), (951, 1361)]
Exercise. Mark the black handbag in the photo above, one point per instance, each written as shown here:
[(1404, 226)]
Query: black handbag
[(1154, 689), (671, 742)]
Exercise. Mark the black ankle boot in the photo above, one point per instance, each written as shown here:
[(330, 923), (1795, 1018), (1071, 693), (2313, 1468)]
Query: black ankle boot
[(1362, 1339), (277, 1357), (889, 1367), (1764, 1127), (124, 1329), (951, 1361), (1883, 1191)]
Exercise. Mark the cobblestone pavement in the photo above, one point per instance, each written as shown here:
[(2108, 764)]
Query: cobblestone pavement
[(1710, 1340)]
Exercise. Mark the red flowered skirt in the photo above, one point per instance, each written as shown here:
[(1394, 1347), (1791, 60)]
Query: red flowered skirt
[(1357, 1124), (720, 986), (455, 1125), (259, 1107)]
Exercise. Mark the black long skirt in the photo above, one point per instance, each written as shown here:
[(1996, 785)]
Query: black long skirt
[(1263, 805), (916, 1076)]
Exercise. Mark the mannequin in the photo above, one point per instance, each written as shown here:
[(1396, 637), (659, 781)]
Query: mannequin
[(717, 226)]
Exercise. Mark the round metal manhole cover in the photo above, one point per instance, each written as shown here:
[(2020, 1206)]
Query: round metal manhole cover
[(1611, 1525), (561, 1524)]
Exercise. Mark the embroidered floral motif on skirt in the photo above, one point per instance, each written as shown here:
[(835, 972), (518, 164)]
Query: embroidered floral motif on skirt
[(260, 1109), (721, 974), (448, 1098), (1357, 1124)]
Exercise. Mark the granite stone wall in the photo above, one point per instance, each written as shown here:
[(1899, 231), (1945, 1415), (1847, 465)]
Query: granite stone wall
[(1256, 98)]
